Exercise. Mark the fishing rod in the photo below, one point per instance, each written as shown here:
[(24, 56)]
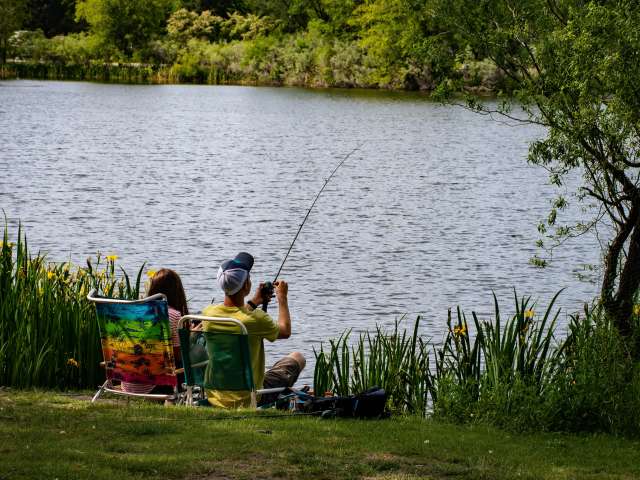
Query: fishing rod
[(267, 289)]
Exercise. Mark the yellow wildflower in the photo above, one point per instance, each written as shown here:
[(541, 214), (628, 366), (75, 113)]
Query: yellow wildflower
[(8, 245), (51, 274), (460, 330), (112, 258), (73, 362), (151, 273), (529, 313), (636, 309)]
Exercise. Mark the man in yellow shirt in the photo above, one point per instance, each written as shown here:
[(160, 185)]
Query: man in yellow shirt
[(235, 280)]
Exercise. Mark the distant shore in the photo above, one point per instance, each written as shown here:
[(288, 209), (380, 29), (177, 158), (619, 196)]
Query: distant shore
[(150, 74)]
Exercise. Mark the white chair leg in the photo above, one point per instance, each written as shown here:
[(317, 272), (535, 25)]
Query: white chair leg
[(100, 390)]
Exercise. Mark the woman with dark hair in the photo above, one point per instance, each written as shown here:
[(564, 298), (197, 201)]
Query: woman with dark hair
[(167, 282)]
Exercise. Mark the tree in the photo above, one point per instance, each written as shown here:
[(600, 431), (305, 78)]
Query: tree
[(222, 8), (129, 25), (575, 69), (184, 25), (403, 39), (53, 17), (13, 14)]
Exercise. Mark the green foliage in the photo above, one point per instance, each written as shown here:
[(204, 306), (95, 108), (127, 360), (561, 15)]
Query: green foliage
[(48, 329), (517, 377), (500, 367), (323, 43), (512, 374), (11, 19), (53, 17), (184, 25), (395, 361), (129, 25), (403, 41), (597, 383)]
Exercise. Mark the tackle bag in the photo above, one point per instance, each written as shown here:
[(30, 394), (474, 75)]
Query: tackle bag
[(368, 404)]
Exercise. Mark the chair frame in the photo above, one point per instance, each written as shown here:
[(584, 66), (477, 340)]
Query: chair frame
[(107, 386), (243, 331)]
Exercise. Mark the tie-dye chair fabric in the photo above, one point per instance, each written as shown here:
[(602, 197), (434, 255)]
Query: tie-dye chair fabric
[(136, 345)]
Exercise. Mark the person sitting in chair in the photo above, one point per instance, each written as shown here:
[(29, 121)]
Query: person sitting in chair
[(235, 280)]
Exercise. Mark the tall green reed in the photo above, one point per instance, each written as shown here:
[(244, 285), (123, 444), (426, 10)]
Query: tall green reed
[(394, 360), (501, 369), (48, 329), (469, 367)]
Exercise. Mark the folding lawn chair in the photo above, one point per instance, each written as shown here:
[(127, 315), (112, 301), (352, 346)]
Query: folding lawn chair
[(228, 366), (136, 345)]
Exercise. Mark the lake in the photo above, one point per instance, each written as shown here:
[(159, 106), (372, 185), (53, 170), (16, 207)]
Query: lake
[(437, 208)]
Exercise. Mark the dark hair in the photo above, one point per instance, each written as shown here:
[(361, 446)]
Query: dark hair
[(168, 282)]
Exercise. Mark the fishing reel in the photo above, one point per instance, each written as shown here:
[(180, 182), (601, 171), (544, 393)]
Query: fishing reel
[(266, 293)]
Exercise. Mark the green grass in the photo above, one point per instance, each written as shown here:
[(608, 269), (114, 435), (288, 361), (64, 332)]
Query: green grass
[(48, 435)]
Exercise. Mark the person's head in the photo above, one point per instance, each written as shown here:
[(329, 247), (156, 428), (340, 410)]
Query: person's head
[(234, 277), (168, 282)]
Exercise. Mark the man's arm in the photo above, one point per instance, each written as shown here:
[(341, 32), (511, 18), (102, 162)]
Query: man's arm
[(284, 317)]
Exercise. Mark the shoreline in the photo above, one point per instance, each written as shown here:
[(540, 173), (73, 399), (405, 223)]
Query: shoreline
[(149, 74)]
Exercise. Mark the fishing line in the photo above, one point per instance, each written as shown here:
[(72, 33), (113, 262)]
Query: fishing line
[(313, 204), (268, 286)]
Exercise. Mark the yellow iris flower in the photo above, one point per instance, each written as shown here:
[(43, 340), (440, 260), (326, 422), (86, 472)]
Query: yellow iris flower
[(50, 274), (460, 330), (151, 273), (529, 313), (112, 258)]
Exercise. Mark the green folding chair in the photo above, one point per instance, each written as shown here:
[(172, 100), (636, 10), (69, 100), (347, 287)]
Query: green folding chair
[(228, 362)]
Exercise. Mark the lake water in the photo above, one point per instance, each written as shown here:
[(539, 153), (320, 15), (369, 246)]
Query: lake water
[(436, 209)]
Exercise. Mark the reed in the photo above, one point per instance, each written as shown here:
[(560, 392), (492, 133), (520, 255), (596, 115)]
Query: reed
[(469, 370), (48, 330), (499, 372), (394, 360)]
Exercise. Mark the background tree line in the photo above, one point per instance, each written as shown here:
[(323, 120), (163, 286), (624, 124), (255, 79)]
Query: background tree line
[(379, 43)]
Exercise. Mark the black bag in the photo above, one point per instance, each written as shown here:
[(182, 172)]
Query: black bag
[(368, 404)]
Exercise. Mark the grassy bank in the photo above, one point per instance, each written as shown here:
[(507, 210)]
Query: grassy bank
[(45, 435)]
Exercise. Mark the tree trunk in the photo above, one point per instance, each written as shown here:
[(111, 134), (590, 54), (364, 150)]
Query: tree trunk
[(618, 304)]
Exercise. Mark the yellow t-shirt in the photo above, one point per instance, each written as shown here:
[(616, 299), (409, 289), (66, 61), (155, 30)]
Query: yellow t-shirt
[(259, 325)]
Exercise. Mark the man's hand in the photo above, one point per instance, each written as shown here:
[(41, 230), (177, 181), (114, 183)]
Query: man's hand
[(282, 289), (257, 297)]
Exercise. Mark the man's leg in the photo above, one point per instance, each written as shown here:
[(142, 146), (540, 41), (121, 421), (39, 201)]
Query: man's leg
[(283, 374)]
